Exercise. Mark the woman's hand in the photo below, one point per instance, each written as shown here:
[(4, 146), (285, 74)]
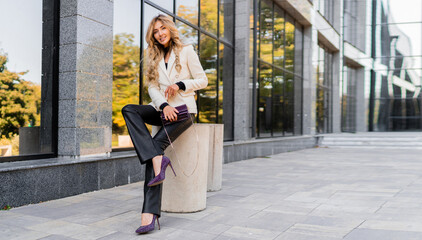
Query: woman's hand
[(170, 113), (171, 91)]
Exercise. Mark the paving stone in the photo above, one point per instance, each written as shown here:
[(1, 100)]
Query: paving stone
[(393, 225), (59, 227), (22, 220), (370, 234), (125, 236), (250, 233), (298, 236), (318, 230), (207, 227), (56, 237), (19, 233)]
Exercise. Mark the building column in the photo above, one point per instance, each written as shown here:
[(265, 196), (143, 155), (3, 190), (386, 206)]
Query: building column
[(335, 91), (242, 93), (85, 77), (310, 58)]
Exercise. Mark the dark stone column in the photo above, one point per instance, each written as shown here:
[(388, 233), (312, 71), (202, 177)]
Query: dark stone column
[(85, 77)]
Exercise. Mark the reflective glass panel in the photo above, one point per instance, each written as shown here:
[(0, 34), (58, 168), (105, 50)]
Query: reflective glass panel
[(126, 65), (166, 4), (25, 99), (209, 15), (188, 35), (265, 100), (188, 10), (266, 31), (278, 37), (289, 103), (290, 44), (208, 97), (278, 103)]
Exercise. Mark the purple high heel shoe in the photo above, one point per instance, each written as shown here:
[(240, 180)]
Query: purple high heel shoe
[(160, 177), (149, 227)]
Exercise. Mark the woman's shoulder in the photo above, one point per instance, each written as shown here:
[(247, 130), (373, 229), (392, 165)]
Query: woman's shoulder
[(188, 48)]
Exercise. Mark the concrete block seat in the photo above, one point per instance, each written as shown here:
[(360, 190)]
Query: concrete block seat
[(198, 165)]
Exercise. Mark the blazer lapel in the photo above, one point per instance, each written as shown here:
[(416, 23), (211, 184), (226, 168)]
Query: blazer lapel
[(171, 63), (163, 68)]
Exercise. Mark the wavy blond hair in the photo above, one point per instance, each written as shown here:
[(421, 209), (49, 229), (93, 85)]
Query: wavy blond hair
[(155, 51)]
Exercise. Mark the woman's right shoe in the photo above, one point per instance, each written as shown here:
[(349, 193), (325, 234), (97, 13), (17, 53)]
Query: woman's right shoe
[(149, 227), (160, 177)]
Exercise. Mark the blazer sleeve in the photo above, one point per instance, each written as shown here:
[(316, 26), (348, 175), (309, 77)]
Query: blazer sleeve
[(154, 92), (200, 79)]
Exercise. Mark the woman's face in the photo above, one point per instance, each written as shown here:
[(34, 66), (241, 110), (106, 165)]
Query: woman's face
[(162, 34)]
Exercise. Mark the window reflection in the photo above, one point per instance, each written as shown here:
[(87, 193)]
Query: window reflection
[(265, 101), (208, 96), (166, 4), (188, 10), (25, 117), (280, 72), (289, 103), (188, 35), (126, 64), (209, 15), (278, 37), (323, 91), (290, 44), (266, 32), (278, 102)]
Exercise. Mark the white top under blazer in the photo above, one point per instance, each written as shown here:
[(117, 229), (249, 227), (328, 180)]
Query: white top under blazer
[(192, 75)]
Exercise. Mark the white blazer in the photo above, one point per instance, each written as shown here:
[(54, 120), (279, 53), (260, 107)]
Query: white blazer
[(192, 75)]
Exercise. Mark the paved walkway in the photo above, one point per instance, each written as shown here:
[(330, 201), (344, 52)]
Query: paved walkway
[(319, 193)]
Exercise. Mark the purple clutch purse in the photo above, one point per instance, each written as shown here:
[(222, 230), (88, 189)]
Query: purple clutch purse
[(181, 116)]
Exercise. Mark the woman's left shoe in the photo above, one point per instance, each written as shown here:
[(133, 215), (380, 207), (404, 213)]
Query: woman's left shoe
[(160, 177), (149, 227)]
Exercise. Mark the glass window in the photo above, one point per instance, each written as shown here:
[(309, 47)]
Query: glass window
[(265, 99), (266, 32), (188, 34), (215, 103), (289, 103), (279, 35), (278, 102), (323, 91), (188, 10), (290, 44), (326, 8), (27, 78), (348, 99), (165, 4), (126, 64), (279, 83), (209, 15), (207, 99)]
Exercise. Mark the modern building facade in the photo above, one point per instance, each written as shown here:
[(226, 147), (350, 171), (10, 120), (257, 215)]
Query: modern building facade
[(280, 74)]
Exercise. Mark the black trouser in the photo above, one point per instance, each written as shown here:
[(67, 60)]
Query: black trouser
[(148, 147)]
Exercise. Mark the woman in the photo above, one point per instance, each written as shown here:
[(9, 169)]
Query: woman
[(173, 74)]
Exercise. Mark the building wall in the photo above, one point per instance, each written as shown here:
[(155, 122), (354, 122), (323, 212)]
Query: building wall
[(85, 91)]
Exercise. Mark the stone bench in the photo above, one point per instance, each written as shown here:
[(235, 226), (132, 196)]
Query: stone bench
[(198, 167)]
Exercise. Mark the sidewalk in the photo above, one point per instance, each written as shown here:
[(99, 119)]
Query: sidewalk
[(318, 193)]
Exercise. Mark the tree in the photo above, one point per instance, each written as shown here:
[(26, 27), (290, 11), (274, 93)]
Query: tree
[(126, 65), (20, 101)]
